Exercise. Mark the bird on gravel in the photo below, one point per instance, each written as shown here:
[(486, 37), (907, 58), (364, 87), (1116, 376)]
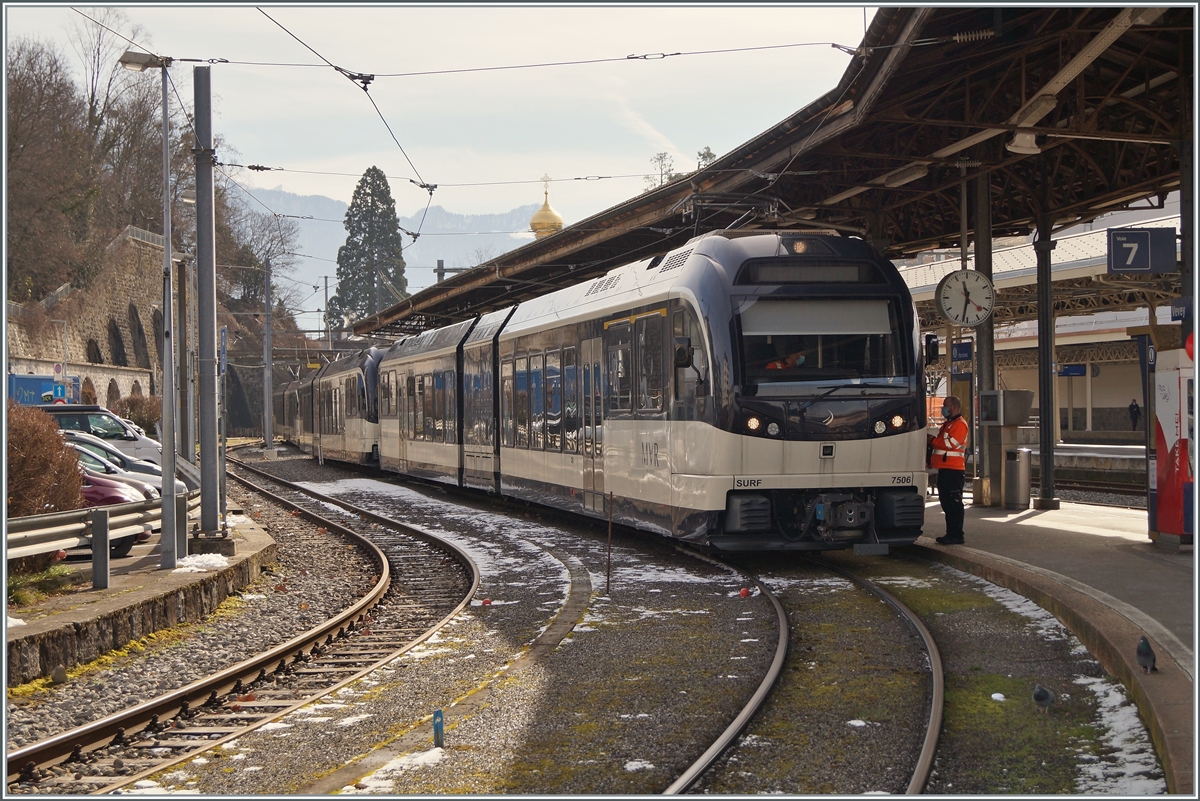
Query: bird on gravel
[(1043, 698), (1145, 656)]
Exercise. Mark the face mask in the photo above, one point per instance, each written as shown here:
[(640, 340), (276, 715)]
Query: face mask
[(945, 411)]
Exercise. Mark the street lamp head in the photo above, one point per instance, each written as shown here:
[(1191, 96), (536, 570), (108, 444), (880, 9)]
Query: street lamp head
[(140, 62)]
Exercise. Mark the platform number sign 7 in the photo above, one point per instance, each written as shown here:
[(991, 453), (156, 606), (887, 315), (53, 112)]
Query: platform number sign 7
[(1141, 250)]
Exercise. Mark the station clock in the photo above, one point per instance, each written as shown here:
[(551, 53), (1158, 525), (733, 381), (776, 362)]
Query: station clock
[(965, 298)]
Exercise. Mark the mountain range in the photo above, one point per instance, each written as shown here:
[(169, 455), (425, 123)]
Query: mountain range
[(459, 240)]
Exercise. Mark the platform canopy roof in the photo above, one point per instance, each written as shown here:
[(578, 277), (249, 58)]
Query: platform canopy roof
[(1069, 112)]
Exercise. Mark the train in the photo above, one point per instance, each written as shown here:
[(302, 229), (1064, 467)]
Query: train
[(746, 391)]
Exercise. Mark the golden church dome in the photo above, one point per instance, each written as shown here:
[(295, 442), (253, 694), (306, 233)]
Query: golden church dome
[(546, 221)]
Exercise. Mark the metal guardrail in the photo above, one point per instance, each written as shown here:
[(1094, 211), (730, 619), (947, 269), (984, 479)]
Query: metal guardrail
[(38, 534)]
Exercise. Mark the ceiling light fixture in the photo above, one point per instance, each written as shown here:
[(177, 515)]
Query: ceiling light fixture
[(1024, 143)]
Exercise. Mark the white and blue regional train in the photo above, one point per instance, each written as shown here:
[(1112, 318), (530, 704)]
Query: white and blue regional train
[(747, 391)]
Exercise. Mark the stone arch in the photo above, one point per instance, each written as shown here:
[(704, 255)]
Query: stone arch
[(87, 392), (136, 389), (114, 393), (116, 344), (94, 356), (141, 353)]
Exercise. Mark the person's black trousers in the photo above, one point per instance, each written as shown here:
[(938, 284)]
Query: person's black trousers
[(950, 493)]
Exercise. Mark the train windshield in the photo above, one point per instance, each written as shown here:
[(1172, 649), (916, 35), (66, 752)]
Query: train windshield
[(789, 343)]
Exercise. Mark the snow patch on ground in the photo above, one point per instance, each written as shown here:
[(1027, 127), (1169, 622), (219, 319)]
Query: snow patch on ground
[(638, 764), (1132, 768), (200, 563), (382, 781), (780, 584)]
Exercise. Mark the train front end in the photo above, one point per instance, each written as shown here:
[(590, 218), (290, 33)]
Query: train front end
[(825, 417)]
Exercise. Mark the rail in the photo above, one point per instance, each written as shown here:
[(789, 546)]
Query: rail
[(39, 534)]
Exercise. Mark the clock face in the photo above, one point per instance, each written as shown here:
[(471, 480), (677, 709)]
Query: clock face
[(966, 298)]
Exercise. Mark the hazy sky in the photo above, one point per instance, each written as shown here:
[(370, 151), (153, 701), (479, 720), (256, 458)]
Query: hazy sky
[(477, 127)]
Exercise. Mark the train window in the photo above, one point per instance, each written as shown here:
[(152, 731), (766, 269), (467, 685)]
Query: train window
[(791, 341), (553, 401), (570, 402), (620, 368), (537, 414), (351, 395), (521, 402), (424, 394), (506, 403), (429, 409), (385, 395), (439, 407), (650, 364), (451, 410), (410, 401)]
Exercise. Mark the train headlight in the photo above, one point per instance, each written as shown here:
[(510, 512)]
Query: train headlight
[(753, 423), (773, 429), (880, 427), (897, 421)]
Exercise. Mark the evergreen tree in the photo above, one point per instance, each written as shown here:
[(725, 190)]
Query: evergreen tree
[(372, 244)]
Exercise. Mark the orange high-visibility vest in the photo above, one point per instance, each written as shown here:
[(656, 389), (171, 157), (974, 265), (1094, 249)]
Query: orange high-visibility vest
[(950, 445)]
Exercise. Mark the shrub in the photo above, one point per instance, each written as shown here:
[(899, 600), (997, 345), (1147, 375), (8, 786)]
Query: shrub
[(146, 412), (43, 473)]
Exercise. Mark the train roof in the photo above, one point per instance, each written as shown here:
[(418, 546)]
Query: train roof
[(488, 324), (435, 342), (357, 361)]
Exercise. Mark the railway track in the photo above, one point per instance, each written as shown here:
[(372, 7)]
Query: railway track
[(695, 772), (404, 607)]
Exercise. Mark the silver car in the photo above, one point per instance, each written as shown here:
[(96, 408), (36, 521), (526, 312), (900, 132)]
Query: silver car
[(147, 472), (100, 466), (107, 451)]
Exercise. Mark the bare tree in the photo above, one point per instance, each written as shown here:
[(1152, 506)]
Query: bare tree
[(46, 171), (664, 171)]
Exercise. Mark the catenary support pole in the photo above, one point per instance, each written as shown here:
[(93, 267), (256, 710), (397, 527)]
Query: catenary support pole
[(268, 423), (1047, 405), (985, 345), (206, 301), (168, 555), (186, 445)]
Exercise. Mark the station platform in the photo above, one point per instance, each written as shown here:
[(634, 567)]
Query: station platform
[(1095, 569)]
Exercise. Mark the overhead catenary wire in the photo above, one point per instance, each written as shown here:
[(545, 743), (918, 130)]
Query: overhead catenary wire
[(363, 81)]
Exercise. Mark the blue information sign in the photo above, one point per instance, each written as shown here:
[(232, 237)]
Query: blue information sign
[(1141, 250), (960, 352), (60, 391), (1068, 370)]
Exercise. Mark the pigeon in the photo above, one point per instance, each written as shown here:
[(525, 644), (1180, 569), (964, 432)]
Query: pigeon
[(1145, 656), (1043, 698)]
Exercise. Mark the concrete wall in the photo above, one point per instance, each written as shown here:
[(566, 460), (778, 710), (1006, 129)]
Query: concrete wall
[(1112, 389)]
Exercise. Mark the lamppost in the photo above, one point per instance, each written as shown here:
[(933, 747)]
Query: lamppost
[(140, 62)]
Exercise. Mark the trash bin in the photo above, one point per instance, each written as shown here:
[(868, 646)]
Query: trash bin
[(1017, 478)]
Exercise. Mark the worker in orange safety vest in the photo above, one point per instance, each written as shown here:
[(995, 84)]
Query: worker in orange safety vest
[(948, 455)]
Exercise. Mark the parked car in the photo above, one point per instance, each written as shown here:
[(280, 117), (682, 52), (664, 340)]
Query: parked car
[(150, 472), (100, 422), (99, 491), (100, 466)]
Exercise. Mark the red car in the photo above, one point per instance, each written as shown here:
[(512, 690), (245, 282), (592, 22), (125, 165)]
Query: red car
[(99, 491)]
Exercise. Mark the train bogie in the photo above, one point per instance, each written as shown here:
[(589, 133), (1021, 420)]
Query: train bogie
[(747, 391)]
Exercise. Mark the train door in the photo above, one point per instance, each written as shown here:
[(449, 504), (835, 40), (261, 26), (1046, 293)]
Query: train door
[(591, 361)]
